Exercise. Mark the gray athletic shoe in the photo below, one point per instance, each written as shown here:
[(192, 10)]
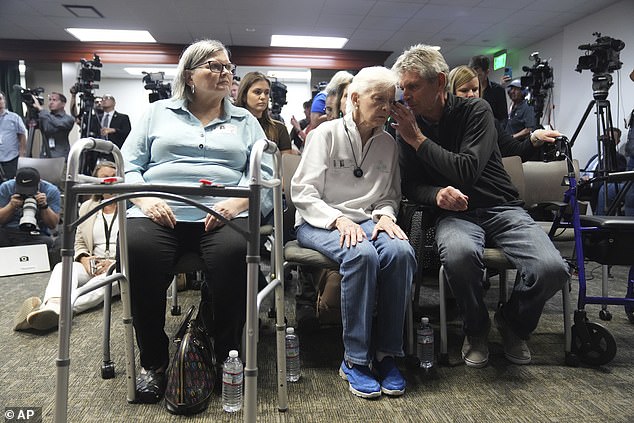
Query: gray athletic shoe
[(515, 348), (475, 351)]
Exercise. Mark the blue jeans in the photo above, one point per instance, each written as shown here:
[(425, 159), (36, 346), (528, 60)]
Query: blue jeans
[(461, 238), (374, 273), (612, 192)]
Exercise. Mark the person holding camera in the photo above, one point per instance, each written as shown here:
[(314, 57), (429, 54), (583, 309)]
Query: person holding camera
[(254, 95), (29, 209), (12, 141), (450, 159), (95, 251), (55, 125)]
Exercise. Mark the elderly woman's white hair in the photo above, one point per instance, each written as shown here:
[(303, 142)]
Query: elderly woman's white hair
[(191, 57), (369, 79), (338, 79)]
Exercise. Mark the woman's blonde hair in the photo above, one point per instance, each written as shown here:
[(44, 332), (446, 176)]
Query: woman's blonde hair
[(459, 76)]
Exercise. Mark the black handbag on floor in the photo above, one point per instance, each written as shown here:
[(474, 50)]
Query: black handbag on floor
[(419, 223), (191, 374)]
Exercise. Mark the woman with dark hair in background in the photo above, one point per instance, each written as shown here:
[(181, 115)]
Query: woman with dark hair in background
[(254, 95), (196, 134)]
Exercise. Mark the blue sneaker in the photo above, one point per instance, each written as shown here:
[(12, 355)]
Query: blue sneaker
[(360, 379), (392, 381)]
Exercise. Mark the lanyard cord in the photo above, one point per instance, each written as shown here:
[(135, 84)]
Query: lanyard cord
[(108, 229), (358, 172)]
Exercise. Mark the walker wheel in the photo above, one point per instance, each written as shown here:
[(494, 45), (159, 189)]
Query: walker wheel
[(176, 310), (599, 350), (605, 315), (629, 307), (107, 370)]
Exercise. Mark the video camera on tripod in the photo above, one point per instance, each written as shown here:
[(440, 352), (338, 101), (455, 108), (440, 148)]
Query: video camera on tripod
[(601, 59), (28, 94), (88, 75), (154, 81), (602, 56), (538, 80), (278, 98)]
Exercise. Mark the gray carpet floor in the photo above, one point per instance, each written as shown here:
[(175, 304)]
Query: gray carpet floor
[(545, 391)]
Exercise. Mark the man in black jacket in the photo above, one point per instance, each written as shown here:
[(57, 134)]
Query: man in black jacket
[(450, 159), (492, 92)]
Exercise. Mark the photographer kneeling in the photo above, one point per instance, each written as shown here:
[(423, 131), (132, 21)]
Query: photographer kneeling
[(29, 209)]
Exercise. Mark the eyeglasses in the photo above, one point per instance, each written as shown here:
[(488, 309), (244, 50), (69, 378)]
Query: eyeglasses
[(217, 67)]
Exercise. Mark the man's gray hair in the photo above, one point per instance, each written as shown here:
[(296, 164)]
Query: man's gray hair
[(372, 78), (192, 56), (424, 60)]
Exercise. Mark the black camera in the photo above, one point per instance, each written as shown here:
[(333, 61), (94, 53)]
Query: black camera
[(88, 75), (28, 94), (557, 150), (278, 98), (153, 81), (602, 56), (538, 80), (538, 77)]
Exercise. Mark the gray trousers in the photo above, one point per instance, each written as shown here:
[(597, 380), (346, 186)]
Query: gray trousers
[(461, 238)]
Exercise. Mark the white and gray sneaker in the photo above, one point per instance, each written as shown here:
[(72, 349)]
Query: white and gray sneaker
[(475, 351)]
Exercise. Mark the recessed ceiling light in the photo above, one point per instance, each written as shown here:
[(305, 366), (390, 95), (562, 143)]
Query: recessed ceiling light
[(303, 75), (249, 29), (113, 35), (307, 41)]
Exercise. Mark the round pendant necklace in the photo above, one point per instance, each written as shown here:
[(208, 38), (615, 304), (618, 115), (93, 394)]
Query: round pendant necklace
[(358, 172)]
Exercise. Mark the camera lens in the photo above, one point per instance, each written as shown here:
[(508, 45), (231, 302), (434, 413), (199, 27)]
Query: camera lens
[(28, 222)]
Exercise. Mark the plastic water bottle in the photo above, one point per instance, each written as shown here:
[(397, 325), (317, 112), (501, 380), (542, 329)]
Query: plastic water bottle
[(425, 344), (293, 371), (232, 376)]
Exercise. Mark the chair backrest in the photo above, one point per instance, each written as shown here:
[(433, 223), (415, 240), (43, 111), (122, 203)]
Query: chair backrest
[(51, 169), (290, 162), (513, 166), (543, 181)]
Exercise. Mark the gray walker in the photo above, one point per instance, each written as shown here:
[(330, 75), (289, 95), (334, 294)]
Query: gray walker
[(77, 184)]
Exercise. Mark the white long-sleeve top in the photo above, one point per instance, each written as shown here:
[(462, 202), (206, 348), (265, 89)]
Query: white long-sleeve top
[(324, 186)]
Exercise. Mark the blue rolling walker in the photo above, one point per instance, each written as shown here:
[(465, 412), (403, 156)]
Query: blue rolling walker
[(606, 240)]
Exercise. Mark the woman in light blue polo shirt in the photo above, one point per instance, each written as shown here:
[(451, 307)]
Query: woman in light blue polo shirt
[(196, 134)]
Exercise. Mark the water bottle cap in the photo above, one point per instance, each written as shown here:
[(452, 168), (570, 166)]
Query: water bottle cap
[(424, 320), (290, 330), (233, 353)]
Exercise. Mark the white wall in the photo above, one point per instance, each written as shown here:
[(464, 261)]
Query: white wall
[(573, 90)]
